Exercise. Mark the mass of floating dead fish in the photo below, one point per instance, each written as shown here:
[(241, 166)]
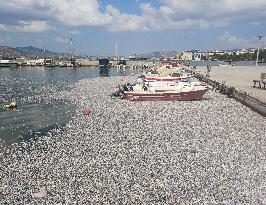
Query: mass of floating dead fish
[(200, 152)]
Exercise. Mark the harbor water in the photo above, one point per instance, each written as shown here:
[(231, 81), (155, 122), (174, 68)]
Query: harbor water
[(29, 87)]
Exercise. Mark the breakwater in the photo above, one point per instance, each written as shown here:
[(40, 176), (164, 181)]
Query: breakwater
[(198, 152), (247, 100), (87, 63)]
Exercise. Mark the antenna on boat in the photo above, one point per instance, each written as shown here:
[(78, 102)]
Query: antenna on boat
[(260, 37)]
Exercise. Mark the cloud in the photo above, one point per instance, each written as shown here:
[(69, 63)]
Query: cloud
[(235, 41), (32, 26), (255, 23), (124, 22), (61, 39), (171, 14), (26, 26), (214, 8), (163, 19), (201, 14), (4, 28), (65, 12), (74, 32)]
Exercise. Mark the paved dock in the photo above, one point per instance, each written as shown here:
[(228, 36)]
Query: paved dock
[(240, 77)]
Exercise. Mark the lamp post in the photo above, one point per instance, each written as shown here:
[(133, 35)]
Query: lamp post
[(260, 37)]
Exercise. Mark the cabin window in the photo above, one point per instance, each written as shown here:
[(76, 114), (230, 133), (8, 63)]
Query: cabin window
[(175, 75)]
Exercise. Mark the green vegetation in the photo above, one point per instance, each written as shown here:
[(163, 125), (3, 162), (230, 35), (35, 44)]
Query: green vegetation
[(240, 57)]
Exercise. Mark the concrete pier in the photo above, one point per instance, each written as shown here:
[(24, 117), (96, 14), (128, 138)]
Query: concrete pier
[(240, 77)]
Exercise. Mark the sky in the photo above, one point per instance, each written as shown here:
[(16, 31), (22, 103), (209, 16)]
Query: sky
[(138, 26)]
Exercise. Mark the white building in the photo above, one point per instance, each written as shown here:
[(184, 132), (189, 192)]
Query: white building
[(197, 56), (218, 52)]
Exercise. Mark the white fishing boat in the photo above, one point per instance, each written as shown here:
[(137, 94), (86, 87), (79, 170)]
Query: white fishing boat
[(163, 91), (167, 73)]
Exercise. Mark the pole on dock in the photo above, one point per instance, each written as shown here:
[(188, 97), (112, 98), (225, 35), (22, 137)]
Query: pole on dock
[(260, 37)]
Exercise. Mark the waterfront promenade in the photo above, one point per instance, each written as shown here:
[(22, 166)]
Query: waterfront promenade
[(199, 152), (240, 77)]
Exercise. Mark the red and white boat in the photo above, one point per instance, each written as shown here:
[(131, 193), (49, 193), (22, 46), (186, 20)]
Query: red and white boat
[(167, 79), (164, 91), (167, 73)]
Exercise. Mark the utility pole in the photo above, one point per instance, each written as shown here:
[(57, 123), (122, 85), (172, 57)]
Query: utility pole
[(116, 52), (260, 37)]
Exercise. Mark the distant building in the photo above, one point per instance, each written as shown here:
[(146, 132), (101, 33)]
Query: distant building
[(132, 57), (185, 56), (209, 54), (40, 62), (199, 55), (218, 52), (252, 50), (30, 62), (228, 52), (21, 61)]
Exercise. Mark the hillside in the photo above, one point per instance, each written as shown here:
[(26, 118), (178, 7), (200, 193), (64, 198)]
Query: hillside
[(35, 51), (159, 54), (10, 53), (27, 52)]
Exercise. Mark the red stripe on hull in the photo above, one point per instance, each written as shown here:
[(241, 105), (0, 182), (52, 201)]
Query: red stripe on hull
[(182, 96), (167, 79)]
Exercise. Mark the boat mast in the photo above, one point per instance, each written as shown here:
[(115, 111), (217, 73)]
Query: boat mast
[(44, 50), (43, 46), (72, 48)]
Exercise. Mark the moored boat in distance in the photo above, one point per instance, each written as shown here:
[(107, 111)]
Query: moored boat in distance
[(8, 63), (171, 77), (104, 66), (167, 73)]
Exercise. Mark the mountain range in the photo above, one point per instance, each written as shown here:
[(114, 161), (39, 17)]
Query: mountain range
[(159, 54), (33, 52), (28, 52)]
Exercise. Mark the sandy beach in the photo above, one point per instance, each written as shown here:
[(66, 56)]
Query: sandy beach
[(241, 77)]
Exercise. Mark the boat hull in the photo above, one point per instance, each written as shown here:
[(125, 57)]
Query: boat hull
[(166, 79), (8, 65), (163, 96)]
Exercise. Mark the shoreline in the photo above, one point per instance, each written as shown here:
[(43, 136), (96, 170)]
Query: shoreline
[(142, 152)]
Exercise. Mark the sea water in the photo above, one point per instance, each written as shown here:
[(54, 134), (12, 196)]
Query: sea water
[(35, 116)]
